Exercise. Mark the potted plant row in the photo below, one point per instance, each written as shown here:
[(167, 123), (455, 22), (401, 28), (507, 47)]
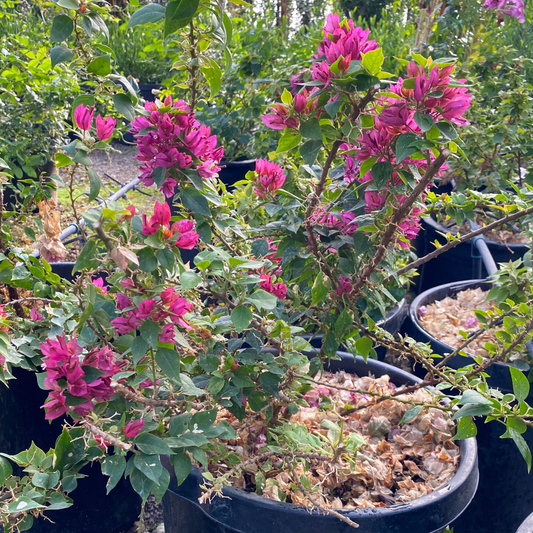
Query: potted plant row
[(171, 365)]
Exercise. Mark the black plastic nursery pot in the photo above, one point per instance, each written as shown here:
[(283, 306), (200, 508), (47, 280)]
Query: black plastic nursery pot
[(505, 494), (392, 323), (460, 263), (11, 196), (146, 91), (22, 421), (242, 512), (233, 171)]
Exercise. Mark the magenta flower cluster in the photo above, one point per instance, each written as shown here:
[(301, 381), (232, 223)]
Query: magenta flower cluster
[(268, 178), (67, 371), (168, 136), (169, 306), (343, 43), (83, 118), (512, 8), (186, 238)]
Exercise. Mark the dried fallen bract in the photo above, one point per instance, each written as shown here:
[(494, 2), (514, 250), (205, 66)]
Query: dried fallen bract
[(394, 463), (445, 318)]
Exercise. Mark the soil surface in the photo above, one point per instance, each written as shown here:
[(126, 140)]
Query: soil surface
[(446, 318), (506, 234), (395, 462)]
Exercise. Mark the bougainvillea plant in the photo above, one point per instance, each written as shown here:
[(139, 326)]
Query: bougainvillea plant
[(162, 337)]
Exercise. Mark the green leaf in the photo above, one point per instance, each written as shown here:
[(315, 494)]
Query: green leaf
[(150, 332), (179, 424), (447, 130), (522, 446), (373, 60), (149, 465), (319, 290), (26, 523), (333, 107), (57, 502), (147, 259), (473, 409), (421, 60), (288, 141), (286, 97), (63, 452), (45, 481), (410, 414), (23, 504), (363, 346), (61, 54), (169, 362), (520, 384), (213, 75), (343, 324), (161, 487), (141, 484), (151, 445), (367, 165), (262, 300), (62, 160), (190, 279), (87, 257), (178, 14), (62, 28), (124, 106), (270, 383), (95, 184), (472, 396), (241, 317), (182, 467), (403, 146), (465, 429), (195, 201), (5, 470), (424, 122), (139, 347), (309, 151), (149, 13), (101, 66), (311, 129), (113, 466), (68, 4), (166, 258), (381, 172)]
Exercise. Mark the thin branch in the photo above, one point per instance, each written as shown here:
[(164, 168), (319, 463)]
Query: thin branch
[(463, 238), (31, 298), (322, 509), (106, 436), (151, 402), (397, 218)]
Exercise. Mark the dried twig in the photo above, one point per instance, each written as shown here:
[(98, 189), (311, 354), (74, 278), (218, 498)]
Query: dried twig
[(106, 436)]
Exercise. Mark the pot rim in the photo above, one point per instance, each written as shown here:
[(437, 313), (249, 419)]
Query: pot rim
[(468, 463), (430, 221), (527, 525), (455, 286)]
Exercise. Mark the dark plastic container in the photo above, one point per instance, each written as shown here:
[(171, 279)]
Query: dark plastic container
[(526, 526), (234, 171), (460, 263), (392, 323), (145, 91), (22, 420), (242, 512), (505, 494)]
